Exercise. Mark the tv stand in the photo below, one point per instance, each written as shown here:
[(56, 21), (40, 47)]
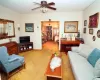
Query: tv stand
[(25, 46)]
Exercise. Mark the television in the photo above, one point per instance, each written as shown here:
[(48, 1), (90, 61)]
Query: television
[(24, 39)]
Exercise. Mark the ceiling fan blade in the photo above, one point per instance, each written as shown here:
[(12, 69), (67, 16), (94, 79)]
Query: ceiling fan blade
[(36, 3), (51, 8), (36, 8), (51, 3)]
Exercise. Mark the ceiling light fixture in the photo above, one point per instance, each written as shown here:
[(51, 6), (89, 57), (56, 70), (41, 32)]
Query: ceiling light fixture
[(44, 9)]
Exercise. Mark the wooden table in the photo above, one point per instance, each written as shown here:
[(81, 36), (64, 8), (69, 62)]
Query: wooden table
[(56, 74), (66, 45)]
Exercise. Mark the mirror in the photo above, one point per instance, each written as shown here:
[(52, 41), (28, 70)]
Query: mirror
[(6, 29)]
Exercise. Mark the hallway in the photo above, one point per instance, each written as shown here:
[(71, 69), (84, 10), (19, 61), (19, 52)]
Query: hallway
[(51, 45)]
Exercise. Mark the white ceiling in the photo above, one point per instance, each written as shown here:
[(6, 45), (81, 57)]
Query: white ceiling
[(25, 6)]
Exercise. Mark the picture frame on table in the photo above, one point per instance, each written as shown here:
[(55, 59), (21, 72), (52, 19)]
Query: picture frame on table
[(70, 26)]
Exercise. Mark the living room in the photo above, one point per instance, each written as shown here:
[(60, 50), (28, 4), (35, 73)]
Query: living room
[(81, 11)]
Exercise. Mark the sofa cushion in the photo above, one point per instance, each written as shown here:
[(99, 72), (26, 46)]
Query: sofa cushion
[(97, 69), (94, 56), (72, 52), (85, 50), (82, 69), (74, 49)]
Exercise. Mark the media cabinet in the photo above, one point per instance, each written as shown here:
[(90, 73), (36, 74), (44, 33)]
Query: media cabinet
[(25, 46)]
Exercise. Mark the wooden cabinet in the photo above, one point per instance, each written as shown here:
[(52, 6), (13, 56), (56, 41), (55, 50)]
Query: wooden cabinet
[(12, 47), (25, 46), (66, 45)]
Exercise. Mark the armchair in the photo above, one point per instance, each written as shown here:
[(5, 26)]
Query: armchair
[(9, 62)]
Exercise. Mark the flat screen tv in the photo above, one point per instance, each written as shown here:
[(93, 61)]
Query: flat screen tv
[(24, 39)]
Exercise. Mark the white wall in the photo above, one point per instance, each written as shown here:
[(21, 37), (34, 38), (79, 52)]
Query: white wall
[(8, 14), (92, 9), (36, 18)]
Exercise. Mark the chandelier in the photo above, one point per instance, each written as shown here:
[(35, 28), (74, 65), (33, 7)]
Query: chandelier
[(44, 9)]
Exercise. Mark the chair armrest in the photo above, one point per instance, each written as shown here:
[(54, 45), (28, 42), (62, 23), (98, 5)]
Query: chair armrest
[(11, 60), (74, 49)]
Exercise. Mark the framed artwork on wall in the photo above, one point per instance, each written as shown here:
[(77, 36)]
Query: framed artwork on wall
[(85, 22), (84, 30), (93, 20), (71, 26), (93, 38), (90, 31), (29, 27), (98, 33)]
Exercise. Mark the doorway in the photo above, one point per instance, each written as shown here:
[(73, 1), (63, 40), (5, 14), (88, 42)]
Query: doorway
[(50, 31)]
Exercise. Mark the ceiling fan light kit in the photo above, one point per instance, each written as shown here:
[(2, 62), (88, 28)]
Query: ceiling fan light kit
[(44, 6), (44, 9)]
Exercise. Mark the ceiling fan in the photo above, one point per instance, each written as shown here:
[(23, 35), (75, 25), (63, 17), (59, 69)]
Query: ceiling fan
[(44, 4)]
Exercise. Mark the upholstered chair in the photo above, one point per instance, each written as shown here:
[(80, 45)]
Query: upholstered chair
[(9, 62)]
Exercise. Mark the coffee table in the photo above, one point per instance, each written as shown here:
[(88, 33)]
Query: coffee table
[(56, 74)]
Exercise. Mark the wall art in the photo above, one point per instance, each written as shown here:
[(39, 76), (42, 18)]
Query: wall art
[(29, 27), (85, 22), (84, 30), (93, 20), (90, 31), (98, 33), (71, 26), (93, 38)]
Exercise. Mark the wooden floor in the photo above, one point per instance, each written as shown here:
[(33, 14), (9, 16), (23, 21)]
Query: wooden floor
[(37, 61)]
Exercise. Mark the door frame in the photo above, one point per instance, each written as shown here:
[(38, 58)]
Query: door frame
[(49, 22)]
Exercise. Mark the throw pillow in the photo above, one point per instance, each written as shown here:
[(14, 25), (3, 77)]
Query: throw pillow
[(94, 56), (85, 50), (97, 69)]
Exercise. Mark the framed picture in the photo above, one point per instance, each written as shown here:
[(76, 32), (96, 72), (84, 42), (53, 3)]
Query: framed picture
[(29, 27), (85, 22), (93, 20), (84, 30), (90, 31), (71, 26), (98, 33), (93, 38)]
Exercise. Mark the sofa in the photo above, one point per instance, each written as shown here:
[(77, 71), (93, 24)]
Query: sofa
[(81, 67)]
